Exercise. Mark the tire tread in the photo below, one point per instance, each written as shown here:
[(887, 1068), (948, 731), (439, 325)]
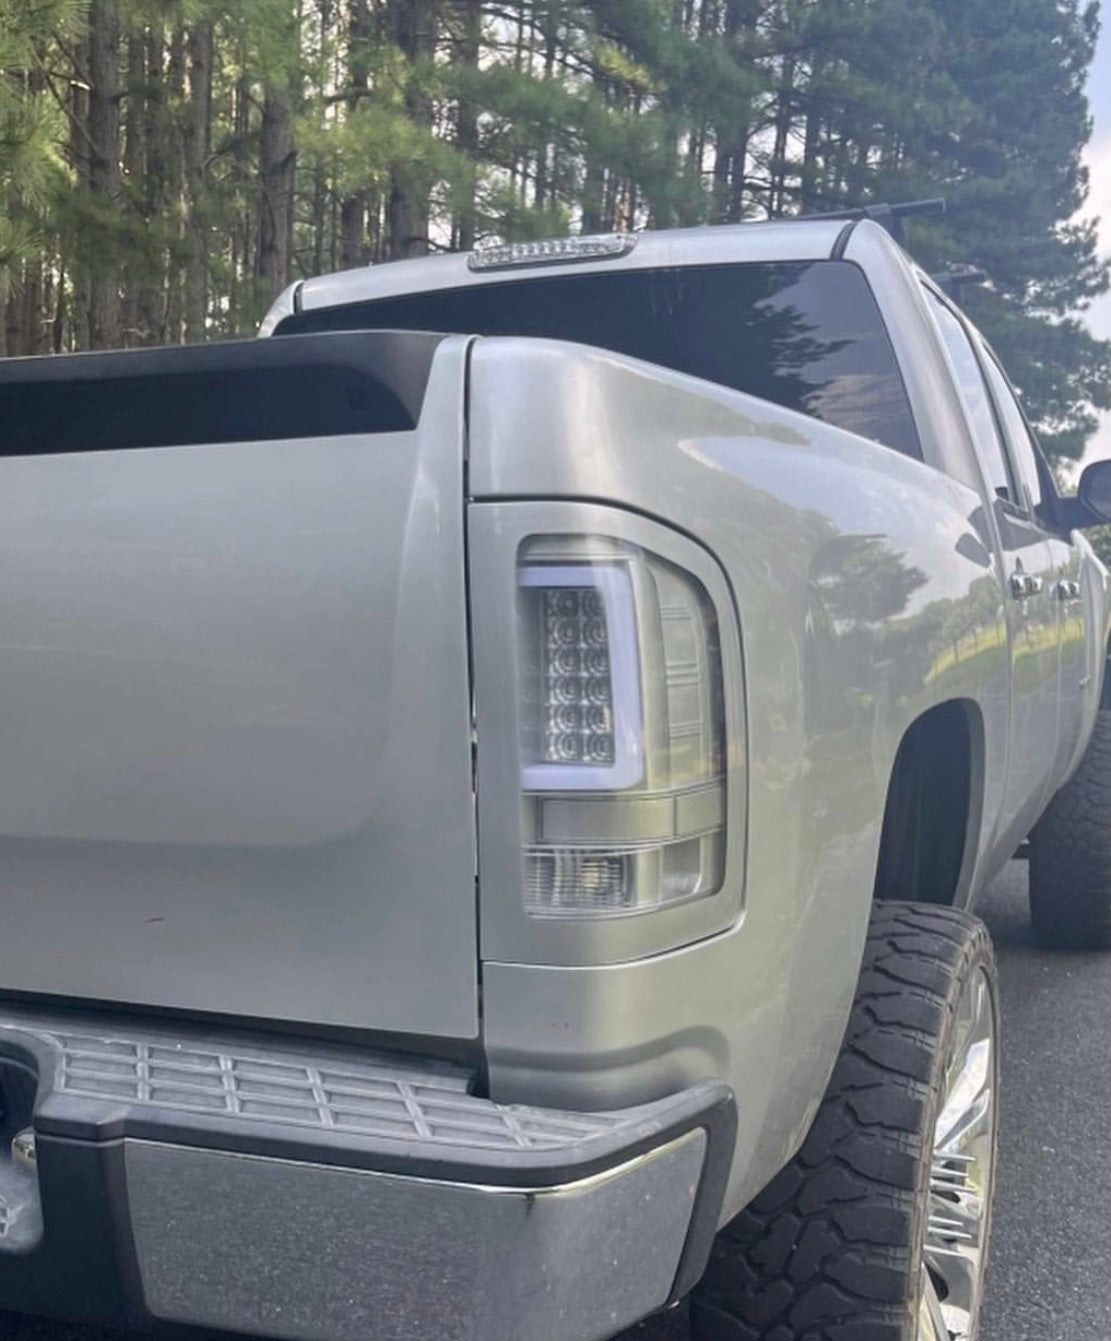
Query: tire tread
[(1070, 855), (827, 1250)]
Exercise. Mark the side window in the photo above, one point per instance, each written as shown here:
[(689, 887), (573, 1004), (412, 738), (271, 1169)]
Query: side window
[(977, 402), (1023, 451)]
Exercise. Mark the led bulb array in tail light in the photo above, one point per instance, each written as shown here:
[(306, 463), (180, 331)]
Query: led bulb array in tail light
[(578, 688), (578, 633), (622, 730)]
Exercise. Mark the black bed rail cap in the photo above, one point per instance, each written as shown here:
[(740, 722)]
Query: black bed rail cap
[(319, 385)]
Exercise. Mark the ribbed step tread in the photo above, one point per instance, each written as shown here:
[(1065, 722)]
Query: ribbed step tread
[(375, 1096)]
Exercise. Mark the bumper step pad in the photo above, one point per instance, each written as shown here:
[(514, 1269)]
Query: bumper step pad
[(252, 1184), (412, 1101)]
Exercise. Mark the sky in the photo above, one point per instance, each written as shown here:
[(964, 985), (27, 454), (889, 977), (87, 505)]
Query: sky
[(1098, 157)]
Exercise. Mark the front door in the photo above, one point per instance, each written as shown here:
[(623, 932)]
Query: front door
[(1032, 606), (1065, 579)]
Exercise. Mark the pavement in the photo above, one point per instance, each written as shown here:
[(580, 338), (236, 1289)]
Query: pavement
[(1049, 1278)]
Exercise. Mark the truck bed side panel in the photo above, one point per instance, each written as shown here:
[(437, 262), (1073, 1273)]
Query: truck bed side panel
[(855, 571)]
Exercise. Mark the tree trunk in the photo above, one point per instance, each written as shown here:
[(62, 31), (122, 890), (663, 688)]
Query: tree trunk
[(57, 327), (8, 345), (77, 108), (545, 186), (731, 139), (413, 29), (352, 214), (136, 270), (104, 168), (466, 125), (196, 133), (785, 106), (810, 192), (33, 333), (173, 189), (277, 159), (151, 298), (241, 305)]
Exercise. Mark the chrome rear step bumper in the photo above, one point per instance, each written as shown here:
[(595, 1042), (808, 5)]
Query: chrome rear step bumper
[(328, 1194)]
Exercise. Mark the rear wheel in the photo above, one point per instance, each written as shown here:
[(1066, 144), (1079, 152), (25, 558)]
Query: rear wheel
[(877, 1229), (1070, 855)]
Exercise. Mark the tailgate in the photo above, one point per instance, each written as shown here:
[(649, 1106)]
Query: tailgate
[(235, 750)]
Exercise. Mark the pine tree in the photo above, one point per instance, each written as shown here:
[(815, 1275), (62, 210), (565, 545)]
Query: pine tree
[(167, 165), (1022, 66), (32, 125)]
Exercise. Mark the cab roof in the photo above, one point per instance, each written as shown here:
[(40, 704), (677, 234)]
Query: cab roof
[(809, 239)]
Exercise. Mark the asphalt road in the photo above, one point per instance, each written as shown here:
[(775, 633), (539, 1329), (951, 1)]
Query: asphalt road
[(1050, 1273)]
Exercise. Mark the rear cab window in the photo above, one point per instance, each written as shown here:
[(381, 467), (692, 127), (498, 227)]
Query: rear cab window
[(805, 335)]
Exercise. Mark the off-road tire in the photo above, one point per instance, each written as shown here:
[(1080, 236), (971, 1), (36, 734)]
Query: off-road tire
[(831, 1250), (1070, 855)]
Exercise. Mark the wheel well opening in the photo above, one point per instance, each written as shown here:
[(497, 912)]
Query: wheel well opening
[(932, 810), (1105, 688)]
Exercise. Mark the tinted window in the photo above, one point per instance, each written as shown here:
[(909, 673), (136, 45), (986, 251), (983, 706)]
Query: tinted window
[(805, 335), (977, 402), (1023, 450)]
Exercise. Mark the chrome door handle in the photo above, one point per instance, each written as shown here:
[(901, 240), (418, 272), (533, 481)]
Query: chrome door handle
[(1025, 584)]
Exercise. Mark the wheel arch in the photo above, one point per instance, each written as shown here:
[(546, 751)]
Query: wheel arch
[(1105, 687), (934, 808)]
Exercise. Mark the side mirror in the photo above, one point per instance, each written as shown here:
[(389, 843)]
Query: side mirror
[(1094, 491)]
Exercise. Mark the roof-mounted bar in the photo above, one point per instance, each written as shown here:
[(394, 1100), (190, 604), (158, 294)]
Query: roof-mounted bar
[(953, 282), (889, 217)]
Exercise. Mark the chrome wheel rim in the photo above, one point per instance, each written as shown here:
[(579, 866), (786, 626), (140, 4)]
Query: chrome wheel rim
[(961, 1173)]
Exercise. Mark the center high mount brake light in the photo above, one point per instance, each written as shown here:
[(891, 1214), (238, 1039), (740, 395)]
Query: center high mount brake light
[(551, 251)]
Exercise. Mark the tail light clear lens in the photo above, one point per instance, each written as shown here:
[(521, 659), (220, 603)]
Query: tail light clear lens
[(622, 741), (582, 682)]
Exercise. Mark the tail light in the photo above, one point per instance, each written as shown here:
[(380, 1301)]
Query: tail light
[(621, 730)]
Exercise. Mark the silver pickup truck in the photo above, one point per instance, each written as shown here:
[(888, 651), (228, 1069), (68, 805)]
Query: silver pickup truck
[(489, 818)]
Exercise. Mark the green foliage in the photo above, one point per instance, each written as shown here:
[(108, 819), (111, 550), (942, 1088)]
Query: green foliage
[(255, 143), (32, 170), (1100, 538), (1013, 179)]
